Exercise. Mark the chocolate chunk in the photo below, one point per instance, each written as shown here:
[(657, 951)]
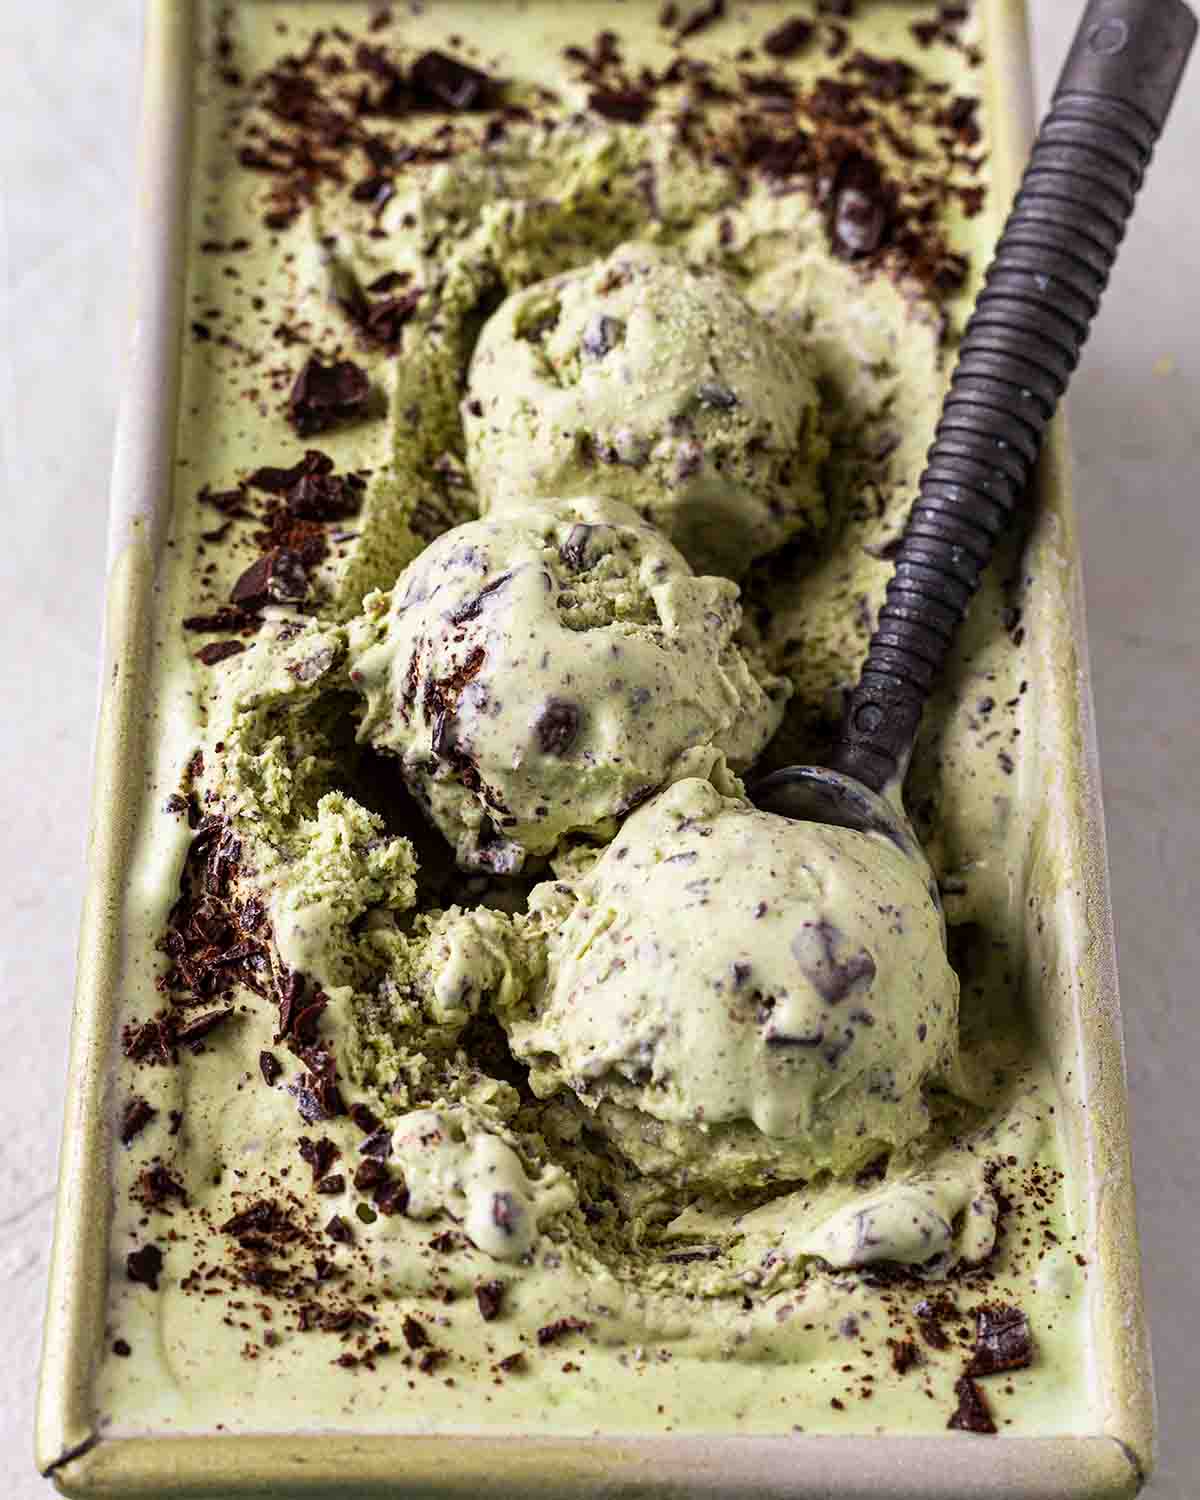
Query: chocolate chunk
[(225, 618), (439, 81), (631, 106), (317, 1094), (148, 1041), (144, 1266), (291, 998), (701, 18), (320, 1155), (364, 1117), (489, 1295), (391, 1197), (279, 481), (369, 1174), (271, 1067), (430, 1360), (551, 1333), (196, 1030), (860, 207), (326, 394), (885, 77), (156, 1185), (973, 1413), (602, 335), (334, 1183), (121, 1349), (471, 609), (217, 651), (789, 38), (832, 977), (574, 550), (136, 1115), (415, 1334), (337, 1229), (278, 577), (378, 1144), (557, 726), (304, 1026), (511, 1364), (261, 1217), (905, 1355), (1002, 1341)]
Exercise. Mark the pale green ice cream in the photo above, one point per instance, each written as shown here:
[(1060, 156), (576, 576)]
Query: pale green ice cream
[(647, 379), (739, 998), (540, 672)]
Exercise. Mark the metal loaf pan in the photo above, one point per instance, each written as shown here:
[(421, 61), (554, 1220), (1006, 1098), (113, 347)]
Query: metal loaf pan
[(1077, 998)]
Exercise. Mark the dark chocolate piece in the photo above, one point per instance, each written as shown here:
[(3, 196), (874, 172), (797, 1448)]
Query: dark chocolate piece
[(973, 1413), (326, 394), (145, 1265), (278, 577), (136, 1115), (1002, 1341), (789, 38), (490, 1296)]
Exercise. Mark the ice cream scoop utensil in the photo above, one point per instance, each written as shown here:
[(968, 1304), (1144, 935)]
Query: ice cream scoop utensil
[(1018, 352)]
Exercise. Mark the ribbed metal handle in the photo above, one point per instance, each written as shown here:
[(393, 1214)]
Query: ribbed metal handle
[(1023, 340)]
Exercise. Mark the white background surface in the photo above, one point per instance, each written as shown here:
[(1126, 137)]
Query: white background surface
[(68, 72)]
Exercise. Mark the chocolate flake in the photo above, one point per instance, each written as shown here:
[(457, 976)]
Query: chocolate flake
[(270, 1065), (631, 106)]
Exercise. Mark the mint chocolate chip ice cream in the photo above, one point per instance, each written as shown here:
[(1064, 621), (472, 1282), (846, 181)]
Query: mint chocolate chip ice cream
[(736, 998), (540, 672), (652, 381)]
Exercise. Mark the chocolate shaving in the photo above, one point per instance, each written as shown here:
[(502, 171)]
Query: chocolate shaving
[(271, 1067)]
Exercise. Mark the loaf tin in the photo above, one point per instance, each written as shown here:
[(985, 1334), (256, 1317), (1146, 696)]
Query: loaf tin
[(1078, 1004)]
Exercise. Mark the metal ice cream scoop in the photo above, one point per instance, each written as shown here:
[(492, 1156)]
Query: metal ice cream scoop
[(1022, 343)]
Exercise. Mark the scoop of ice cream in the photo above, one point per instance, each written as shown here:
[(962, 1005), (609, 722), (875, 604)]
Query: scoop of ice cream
[(645, 379), (740, 998), (540, 672)]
